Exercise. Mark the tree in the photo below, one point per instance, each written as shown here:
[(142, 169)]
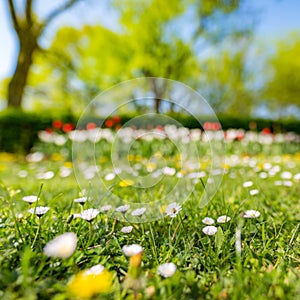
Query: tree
[(283, 86), (28, 29)]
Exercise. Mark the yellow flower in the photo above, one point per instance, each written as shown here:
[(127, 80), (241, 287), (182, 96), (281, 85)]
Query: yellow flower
[(57, 157), (68, 164), (126, 182), (86, 284)]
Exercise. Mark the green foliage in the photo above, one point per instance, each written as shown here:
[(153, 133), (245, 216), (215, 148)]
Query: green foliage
[(18, 129), (283, 87)]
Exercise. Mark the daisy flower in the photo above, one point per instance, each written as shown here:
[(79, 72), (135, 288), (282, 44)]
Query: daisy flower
[(247, 184), (131, 250), (30, 199), (94, 270), (210, 230), (173, 209), (106, 208), (167, 269), (63, 246), (223, 219), (254, 192), (89, 214), (138, 212), (122, 209), (39, 210), (126, 229), (81, 200), (208, 221), (251, 214)]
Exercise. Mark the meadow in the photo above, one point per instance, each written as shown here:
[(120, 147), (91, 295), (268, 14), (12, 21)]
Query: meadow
[(62, 239)]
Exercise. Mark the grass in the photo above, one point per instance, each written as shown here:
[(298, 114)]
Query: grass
[(208, 267)]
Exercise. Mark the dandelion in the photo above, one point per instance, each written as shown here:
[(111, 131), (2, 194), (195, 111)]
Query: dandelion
[(30, 199), (126, 229), (138, 212), (247, 184), (208, 221), (254, 192), (223, 219), (167, 269), (251, 214), (89, 214), (210, 230), (39, 210), (88, 283), (173, 209), (63, 246), (126, 182), (105, 208), (131, 250), (123, 208)]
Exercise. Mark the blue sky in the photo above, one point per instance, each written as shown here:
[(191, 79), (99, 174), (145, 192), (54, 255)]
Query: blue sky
[(277, 19)]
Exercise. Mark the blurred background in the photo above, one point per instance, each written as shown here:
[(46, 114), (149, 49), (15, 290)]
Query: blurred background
[(242, 56)]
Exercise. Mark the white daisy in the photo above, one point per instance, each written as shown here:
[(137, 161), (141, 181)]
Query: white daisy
[(126, 229), (94, 270), (81, 200), (131, 250), (123, 208), (89, 214), (254, 192), (30, 199), (39, 210), (208, 221), (63, 246), (250, 214), (247, 184), (210, 230), (173, 209), (138, 212), (223, 219), (106, 208), (167, 269)]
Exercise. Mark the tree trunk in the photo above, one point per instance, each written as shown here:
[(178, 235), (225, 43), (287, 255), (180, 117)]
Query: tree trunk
[(17, 84)]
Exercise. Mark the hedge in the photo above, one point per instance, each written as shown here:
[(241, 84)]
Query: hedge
[(18, 129)]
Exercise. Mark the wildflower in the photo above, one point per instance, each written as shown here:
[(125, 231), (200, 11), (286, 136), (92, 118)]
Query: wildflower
[(138, 212), (208, 221), (97, 269), (30, 199), (39, 210), (123, 208), (131, 250), (89, 214), (88, 283), (254, 192), (106, 208), (210, 230), (247, 183), (81, 200), (250, 214), (223, 219), (63, 246), (173, 209), (126, 182), (286, 175), (109, 176), (126, 229), (167, 269)]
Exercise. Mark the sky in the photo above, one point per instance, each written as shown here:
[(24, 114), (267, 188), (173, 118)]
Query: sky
[(276, 19)]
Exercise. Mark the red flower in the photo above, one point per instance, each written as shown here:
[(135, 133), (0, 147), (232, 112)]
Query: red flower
[(91, 125), (266, 131), (67, 127), (207, 125), (109, 123), (216, 126), (116, 119), (57, 124), (49, 130)]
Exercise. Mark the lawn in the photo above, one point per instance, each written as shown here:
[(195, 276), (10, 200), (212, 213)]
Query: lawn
[(153, 193)]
